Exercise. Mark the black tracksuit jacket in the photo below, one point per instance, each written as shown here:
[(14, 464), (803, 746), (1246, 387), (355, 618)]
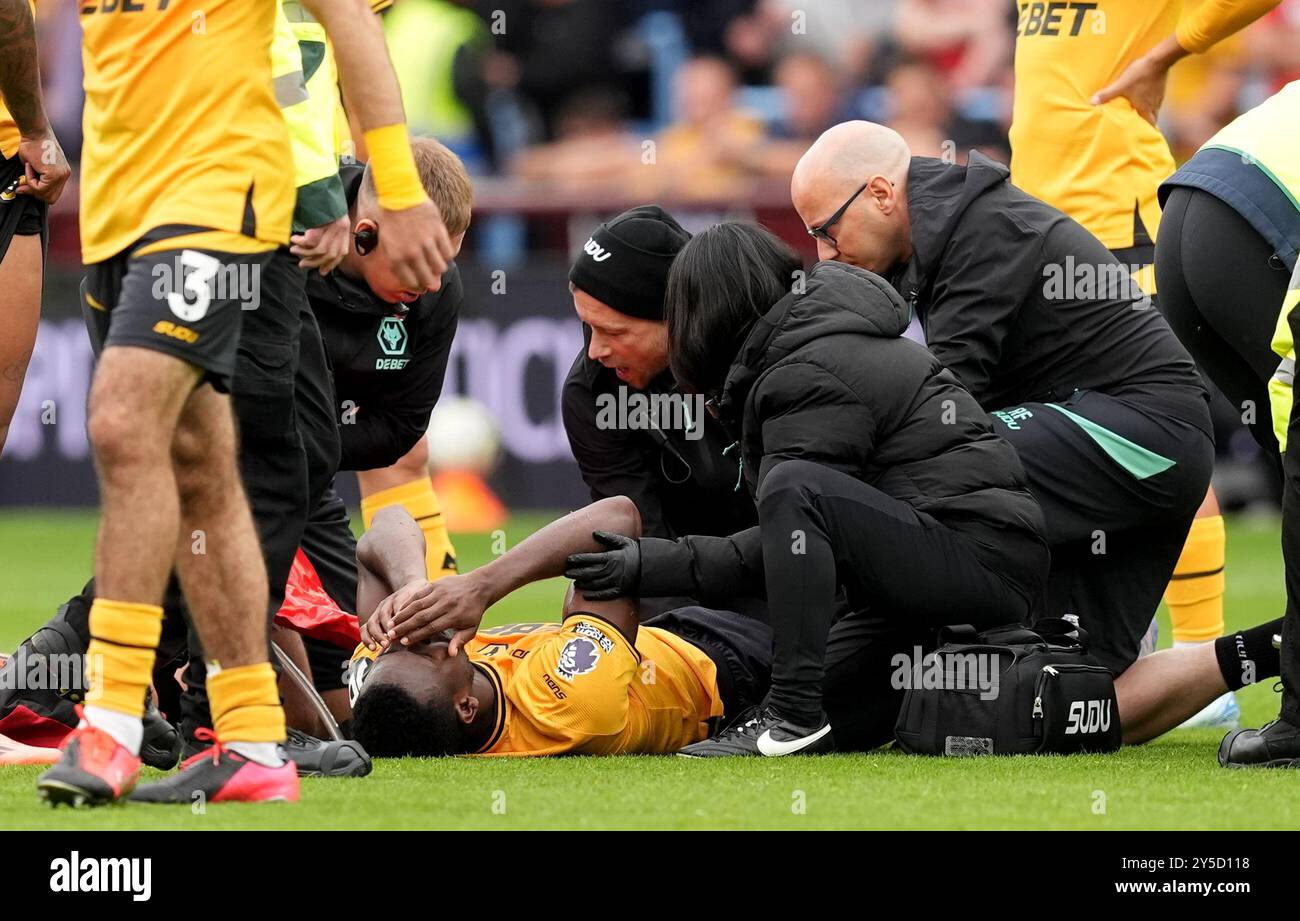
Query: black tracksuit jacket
[(825, 376), (680, 485), (985, 256), (388, 360)]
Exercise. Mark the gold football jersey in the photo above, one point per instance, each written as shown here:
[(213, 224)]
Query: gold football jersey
[(581, 688), (181, 125)]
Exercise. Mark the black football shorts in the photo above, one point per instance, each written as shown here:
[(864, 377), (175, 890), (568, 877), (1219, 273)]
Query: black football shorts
[(184, 302), (20, 215), (740, 646)]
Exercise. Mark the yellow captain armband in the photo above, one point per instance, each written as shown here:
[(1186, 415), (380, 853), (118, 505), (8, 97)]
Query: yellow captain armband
[(396, 180)]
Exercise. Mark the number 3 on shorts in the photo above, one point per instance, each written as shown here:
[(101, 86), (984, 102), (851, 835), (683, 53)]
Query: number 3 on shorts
[(197, 270)]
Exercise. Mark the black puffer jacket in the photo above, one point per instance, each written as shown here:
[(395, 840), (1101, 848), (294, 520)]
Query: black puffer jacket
[(826, 376)]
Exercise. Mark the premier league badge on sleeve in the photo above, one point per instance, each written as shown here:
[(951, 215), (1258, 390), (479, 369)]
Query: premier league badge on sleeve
[(578, 657)]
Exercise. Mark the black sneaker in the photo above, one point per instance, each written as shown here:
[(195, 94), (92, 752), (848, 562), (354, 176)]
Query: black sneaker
[(161, 746), (1276, 745), (318, 758), (764, 732)]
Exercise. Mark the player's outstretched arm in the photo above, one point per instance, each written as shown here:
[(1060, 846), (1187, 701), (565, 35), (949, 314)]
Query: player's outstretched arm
[(20, 86), (458, 602), (413, 236)]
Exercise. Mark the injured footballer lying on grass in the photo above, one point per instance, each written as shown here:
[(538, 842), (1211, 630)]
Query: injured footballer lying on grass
[(600, 682), (427, 681)]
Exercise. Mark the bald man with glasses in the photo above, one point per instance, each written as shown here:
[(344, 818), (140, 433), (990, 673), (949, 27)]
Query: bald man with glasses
[(1046, 329)]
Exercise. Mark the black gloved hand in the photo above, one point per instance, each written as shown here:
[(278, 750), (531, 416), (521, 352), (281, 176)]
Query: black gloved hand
[(607, 574)]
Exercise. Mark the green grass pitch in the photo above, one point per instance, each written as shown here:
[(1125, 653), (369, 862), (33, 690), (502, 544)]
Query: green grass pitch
[(1173, 783)]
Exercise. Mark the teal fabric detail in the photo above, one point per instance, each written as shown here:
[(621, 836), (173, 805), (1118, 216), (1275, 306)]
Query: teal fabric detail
[(1134, 458)]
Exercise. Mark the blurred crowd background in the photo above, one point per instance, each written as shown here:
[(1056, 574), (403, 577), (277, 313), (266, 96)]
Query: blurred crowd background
[(575, 104), (561, 91), (568, 111), (581, 106)]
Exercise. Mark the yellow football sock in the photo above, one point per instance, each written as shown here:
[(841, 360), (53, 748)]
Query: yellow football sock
[(418, 498), (245, 702), (119, 661), (1195, 593)]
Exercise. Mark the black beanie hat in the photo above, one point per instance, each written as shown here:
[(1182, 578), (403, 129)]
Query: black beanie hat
[(625, 262)]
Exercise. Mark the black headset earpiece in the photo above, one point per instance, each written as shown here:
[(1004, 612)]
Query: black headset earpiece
[(366, 240)]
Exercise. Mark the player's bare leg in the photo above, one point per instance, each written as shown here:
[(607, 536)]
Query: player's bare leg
[(222, 573), (136, 399), (165, 454), (410, 466), (20, 305), (1158, 692), (218, 557), (298, 710)]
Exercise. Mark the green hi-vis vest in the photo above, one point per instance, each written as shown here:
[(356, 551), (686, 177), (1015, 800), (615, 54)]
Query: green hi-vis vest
[(423, 38), (305, 88), (1282, 386), (1266, 137)]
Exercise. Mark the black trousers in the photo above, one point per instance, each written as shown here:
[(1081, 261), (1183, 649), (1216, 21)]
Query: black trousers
[(1290, 652), (21, 215), (739, 645), (1119, 485), (331, 549), (904, 571), (288, 438), (1221, 289)]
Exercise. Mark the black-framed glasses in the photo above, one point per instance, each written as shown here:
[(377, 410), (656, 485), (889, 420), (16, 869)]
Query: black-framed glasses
[(822, 231)]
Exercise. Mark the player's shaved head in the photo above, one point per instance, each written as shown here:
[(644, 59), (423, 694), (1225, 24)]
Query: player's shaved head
[(392, 720), (872, 232), (415, 702)]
